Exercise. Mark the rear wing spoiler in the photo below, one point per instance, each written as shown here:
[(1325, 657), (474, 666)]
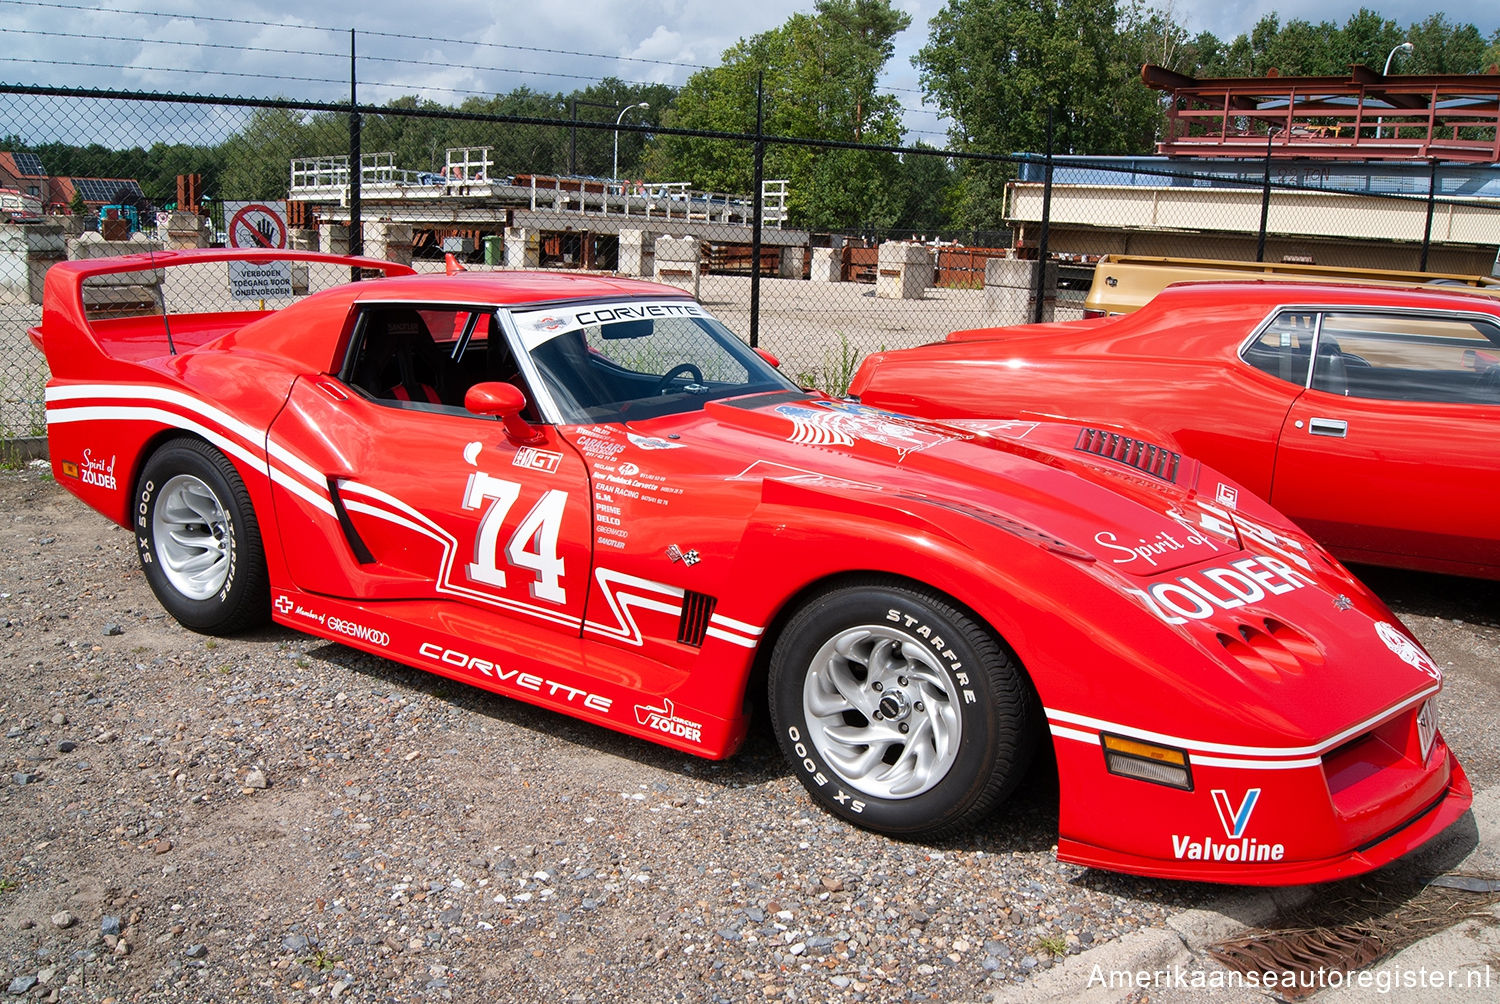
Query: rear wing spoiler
[(65, 313)]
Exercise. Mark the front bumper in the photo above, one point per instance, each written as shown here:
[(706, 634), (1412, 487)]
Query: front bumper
[(1260, 817), (1416, 831)]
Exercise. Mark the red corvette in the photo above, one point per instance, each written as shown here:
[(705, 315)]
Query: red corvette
[(1366, 414), (585, 493)]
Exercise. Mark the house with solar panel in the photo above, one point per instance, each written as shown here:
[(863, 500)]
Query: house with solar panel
[(25, 173)]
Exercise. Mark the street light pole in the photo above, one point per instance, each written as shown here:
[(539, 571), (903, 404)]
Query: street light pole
[(615, 173), (1406, 47), (573, 104)]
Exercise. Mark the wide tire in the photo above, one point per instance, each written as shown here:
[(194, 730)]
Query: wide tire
[(199, 541), (898, 711)]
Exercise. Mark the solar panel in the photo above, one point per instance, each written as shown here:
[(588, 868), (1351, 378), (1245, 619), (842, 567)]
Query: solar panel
[(108, 190), (29, 163)]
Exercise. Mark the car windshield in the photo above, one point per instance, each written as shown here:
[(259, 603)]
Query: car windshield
[(628, 360)]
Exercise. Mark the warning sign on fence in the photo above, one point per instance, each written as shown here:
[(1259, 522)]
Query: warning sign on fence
[(256, 225), (253, 281)]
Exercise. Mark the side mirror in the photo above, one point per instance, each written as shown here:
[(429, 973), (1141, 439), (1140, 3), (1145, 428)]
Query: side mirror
[(768, 357), (506, 402)]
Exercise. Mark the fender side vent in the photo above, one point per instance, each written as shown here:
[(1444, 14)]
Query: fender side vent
[(1157, 461), (351, 536), (697, 608)]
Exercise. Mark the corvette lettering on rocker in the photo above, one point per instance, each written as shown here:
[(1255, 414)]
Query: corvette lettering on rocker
[(527, 681)]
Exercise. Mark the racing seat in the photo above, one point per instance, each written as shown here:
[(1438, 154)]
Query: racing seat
[(399, 360)]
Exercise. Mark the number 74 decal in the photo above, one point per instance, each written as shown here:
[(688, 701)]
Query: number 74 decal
[(532, 546)]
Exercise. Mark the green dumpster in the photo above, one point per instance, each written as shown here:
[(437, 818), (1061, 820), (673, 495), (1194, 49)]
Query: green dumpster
[(494, 250)]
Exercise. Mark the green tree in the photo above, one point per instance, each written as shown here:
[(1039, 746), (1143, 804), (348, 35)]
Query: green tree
[(1440, 46), (257, 159), (819, 75), (1000, 68)]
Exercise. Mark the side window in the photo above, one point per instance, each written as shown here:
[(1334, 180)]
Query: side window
[(1284, 348), (1409, 357), (426, 357)]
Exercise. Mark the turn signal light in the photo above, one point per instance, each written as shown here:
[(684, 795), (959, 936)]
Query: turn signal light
[(1147, 762)]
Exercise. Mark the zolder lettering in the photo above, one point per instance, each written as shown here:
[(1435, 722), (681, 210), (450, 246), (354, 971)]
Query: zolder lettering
[(1200, 595)]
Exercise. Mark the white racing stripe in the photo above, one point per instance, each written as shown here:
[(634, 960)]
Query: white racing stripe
[(253, 447), (283, 467), (1250, 757)]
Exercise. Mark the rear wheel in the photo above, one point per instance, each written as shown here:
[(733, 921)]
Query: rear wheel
[(898, 710), (198, 539)]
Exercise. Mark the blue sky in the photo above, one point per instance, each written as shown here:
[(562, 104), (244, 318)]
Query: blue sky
[(129, 44)]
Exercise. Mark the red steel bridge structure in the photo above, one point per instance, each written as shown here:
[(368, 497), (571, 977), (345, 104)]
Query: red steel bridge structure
[(1364, 116)]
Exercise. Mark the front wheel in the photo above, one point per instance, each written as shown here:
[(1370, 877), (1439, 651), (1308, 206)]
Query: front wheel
[(898, 711), (198, 539)]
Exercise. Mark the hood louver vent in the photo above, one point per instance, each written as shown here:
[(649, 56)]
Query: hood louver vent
[(1156, 461)]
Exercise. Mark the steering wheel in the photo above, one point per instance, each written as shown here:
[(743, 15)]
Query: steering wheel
[(681, 369)]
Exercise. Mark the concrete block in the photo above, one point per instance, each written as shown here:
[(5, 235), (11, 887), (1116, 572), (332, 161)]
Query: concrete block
[(1010, 290), (793, 262), (390, 241), (678, 250), (523, 248), (304, 240), (826, 265), (334, 238), (637, 252), (26, 252), (185, 230), (903, 271), (678, 263)]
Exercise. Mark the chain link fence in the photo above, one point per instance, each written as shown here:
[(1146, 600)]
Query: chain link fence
[(508, 191)]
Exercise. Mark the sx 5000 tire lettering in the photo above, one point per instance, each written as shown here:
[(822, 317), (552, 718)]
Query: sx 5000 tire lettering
[(898, 710), (198, 539)]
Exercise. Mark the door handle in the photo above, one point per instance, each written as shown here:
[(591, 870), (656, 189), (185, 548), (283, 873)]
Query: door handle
[(1335, 427)]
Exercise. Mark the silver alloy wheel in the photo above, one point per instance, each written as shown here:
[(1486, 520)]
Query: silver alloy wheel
[(882, 710), (191, 533)]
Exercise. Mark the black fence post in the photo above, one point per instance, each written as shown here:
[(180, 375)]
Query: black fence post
[(755, 218), (1265, 201), (1039, 284), (356, 226), (1431, 205)]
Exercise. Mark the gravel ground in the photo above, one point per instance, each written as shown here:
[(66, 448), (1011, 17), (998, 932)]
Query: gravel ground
[(278, 818)]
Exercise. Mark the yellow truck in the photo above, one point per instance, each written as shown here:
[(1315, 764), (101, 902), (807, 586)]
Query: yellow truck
[(1123, 283)]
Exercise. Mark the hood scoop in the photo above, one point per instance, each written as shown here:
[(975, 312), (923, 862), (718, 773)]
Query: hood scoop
[(1148, 458)]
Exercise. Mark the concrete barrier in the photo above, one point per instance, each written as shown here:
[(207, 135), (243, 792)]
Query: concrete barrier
[(334, 238), (679, 263), (523, 248), (637, 253), (903, 271), (92, 245), (390, 241), (1011, 290), (793, 262), (26, 252), (185, 230), (826, 265)]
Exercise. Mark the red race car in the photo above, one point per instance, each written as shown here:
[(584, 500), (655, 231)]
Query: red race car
[(584, 492), (1366, 414)]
